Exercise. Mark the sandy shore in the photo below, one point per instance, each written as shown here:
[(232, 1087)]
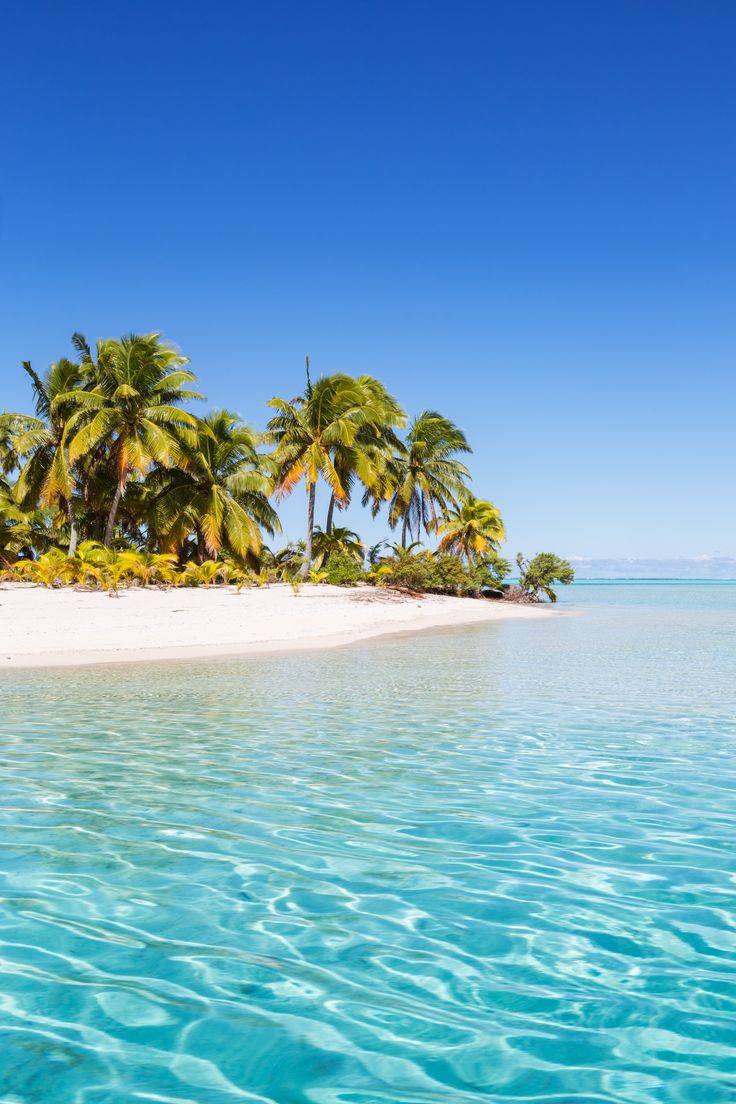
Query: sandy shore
[(67, 627)]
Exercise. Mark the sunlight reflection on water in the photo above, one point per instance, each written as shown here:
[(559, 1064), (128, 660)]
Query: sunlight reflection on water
[(488, 864)]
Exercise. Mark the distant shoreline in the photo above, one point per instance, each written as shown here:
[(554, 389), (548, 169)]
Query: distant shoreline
[(70, 627), (647, 579)]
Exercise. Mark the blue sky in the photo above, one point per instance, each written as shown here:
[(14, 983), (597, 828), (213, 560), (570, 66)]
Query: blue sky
[(521, 214)]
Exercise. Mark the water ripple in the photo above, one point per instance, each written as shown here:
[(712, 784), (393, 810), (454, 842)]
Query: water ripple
[(487, 865)]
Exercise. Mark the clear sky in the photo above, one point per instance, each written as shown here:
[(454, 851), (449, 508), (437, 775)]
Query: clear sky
[(522, 214)]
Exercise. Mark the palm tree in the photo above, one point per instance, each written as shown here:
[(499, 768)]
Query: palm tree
[(16, 529), (426, 477), (368, 457), (113, 453), (311, 431), (220, 493), (205, 573), (472, 529), (46, 473), (401, 551), (10, 426), (22, 532), (133, 410), (340, 541), (283, 564)]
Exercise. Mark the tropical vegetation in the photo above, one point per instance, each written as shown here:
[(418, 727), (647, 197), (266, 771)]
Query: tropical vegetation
[(472, 529), (115, 479), (537, 575)]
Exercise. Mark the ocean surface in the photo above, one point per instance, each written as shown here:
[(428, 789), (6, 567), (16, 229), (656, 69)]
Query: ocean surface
[(478, 865)]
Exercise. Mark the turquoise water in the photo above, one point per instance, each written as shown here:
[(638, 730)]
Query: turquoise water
[(493, 864)]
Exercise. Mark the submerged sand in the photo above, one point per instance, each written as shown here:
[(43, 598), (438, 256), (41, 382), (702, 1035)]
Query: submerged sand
[(41, 627)]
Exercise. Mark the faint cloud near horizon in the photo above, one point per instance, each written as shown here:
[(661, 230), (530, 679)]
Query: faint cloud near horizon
[(711, 567)]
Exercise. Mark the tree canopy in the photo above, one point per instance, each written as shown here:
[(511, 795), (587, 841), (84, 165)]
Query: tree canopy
[(115, 460)]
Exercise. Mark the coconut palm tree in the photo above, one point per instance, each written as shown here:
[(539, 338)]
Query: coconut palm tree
[(16, 527), (311, 431), (133, 411), (340, 541), (24, 533), (367, 458), (205, 573), (39, 442), (220, 493), (10, 426), (426, 478), (471, 529)]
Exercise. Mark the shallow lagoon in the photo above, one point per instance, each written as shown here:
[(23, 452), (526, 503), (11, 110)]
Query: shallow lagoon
[(486, 864)]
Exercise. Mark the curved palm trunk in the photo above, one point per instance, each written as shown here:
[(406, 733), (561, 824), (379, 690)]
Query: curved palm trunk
[(201, 546), (304, 570), (73, 534), (330, 515), (329, 526), (110, 530), (404, 528)]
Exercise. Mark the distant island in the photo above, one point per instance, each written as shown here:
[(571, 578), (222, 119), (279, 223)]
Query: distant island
[(112, 482)]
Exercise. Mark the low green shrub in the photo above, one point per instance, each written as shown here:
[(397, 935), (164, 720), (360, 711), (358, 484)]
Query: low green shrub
[(342, 569), (432, 574), (494, 571), (537, 575)]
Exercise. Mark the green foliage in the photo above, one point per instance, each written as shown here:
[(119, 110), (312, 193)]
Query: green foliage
[(53, 569), (375, 552), (96, 567), (205, 574), (537, 575), (430, 573), (494, 570), (283, 565), (340, 540), (340, 429), (472, 529), (131, 411), (316, 576), (22, 532), (241, 579), (343, 569), (113, 469), (111, 453), (426, 479), (219, 491)]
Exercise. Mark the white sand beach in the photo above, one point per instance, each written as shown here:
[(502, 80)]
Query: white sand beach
[(66, 627)]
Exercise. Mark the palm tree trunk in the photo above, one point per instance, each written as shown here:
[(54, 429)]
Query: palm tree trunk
[(311, 494), (330, 514), (201, 546), (329, 525), (109, 531), (73, 534), (403, 530)]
